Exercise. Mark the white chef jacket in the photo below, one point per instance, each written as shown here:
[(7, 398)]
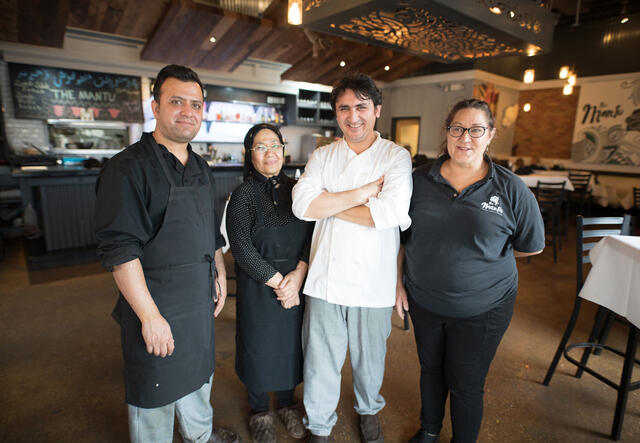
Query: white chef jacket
[(351, 264)]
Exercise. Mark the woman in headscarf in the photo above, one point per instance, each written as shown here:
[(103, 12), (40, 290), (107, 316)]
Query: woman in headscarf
[(271, 251)]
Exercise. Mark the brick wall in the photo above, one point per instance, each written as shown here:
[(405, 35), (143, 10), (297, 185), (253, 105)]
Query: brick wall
[(546, 130), (20, 132)]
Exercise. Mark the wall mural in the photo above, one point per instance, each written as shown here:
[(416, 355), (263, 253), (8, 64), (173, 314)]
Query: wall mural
[(607, 129), (489, 93)]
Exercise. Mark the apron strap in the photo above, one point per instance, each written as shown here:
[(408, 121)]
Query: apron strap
[(213, 277), (163, 163)]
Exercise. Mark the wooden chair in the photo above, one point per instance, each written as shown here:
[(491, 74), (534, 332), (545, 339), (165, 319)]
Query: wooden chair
[(581, 193), (551, 200), (591, 229)]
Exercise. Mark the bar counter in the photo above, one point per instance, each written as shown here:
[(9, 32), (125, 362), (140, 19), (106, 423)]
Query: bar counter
[(63, 198)]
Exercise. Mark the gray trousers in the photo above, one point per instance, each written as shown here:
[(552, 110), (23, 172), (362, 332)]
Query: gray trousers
[(327, 330), (155, 425)]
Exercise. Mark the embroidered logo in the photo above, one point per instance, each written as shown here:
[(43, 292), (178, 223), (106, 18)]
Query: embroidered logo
[(493, 205)]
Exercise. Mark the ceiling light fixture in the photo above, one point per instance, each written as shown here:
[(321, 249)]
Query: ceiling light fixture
[(343, 63), (212, 39), (526, 107), (512, 14), (529, 75), (623, 12), (294, 16), (564, 72), (387, 67), (567, 90), (495, 10), (572, 79)]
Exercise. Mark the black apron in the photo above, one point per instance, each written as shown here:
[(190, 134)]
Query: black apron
[(268, 336), (179, 272)]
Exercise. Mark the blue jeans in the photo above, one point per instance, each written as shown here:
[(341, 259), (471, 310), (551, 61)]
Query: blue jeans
[(327, 330), (155, 425)]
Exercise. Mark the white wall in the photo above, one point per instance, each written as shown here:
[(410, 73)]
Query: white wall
[(431, 98)]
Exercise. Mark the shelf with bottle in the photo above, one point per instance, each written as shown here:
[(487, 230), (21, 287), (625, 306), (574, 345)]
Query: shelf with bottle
[(308, 99), (243, 113)]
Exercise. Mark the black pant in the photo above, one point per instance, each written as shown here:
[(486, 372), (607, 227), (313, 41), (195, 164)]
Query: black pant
[(259, 401), (455, 355)]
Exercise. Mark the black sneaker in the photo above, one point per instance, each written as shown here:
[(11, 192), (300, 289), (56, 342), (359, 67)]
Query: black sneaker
[(424, 437)]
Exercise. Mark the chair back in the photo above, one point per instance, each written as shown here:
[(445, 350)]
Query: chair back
[(593, 229), (580, 180), (550, 195), (636, 198)]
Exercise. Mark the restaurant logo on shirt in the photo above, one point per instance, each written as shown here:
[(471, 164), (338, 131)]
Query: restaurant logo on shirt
[(493, 205)]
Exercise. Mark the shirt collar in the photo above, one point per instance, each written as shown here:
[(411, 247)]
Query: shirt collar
[(434, 171), (261, 178), (190, 169), (371, 148)]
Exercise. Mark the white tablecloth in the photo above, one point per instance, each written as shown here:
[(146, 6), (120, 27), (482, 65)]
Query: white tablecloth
[(614, 279), (532, 180)]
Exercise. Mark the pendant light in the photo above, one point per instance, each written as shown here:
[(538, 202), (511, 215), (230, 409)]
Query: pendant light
[(294, 16)]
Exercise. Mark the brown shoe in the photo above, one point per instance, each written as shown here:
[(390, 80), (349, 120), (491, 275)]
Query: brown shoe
[(292, 419), (262, 428), (370, 429), (221, 435)]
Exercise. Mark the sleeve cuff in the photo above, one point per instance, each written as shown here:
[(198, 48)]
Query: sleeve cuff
[(121, 255)]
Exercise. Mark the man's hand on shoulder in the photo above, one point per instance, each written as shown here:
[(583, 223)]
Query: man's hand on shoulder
[(157, 335)]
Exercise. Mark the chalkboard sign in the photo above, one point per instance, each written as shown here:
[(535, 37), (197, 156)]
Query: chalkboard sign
[(44, 92)]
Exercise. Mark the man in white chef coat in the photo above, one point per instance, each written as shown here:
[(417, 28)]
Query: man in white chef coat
[(357, 189)]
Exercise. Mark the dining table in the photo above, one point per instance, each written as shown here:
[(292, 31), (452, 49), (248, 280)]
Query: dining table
[(614, 279), (531, 180), (614, 282)]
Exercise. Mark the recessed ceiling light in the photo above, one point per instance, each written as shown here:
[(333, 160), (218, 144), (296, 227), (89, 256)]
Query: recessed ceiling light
[(564, 72), (512, 14), (496, 10), (343, 63), (526, 107), (624, 20), (529, 76), (387, 67), (212, 39), (568, 89)]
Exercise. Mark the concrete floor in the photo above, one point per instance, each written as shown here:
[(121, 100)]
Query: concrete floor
[(61, 365)]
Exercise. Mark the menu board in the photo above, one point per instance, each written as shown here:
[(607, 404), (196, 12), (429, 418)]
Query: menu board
[(44, 92)]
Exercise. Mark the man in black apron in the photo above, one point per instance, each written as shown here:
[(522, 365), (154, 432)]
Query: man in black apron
[(158, 233)]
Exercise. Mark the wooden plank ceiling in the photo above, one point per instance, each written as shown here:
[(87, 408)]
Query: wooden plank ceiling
[(178, 31)]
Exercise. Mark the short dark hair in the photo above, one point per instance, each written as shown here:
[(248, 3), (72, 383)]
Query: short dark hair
[(248, 144), (179, 72), (361, 84), (473, 103)]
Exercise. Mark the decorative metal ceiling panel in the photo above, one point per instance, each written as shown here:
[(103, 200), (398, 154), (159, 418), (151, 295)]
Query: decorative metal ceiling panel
[(447, 31)]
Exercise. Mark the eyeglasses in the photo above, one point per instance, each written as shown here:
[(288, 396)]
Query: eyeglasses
[(264, 148), (474, 131)]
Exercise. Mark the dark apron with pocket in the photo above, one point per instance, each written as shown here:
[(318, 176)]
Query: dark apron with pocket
[(268, 336), (179, 272)]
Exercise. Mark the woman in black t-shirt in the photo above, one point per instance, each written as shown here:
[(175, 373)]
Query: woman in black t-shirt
[(271, 251), (457, 274)]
